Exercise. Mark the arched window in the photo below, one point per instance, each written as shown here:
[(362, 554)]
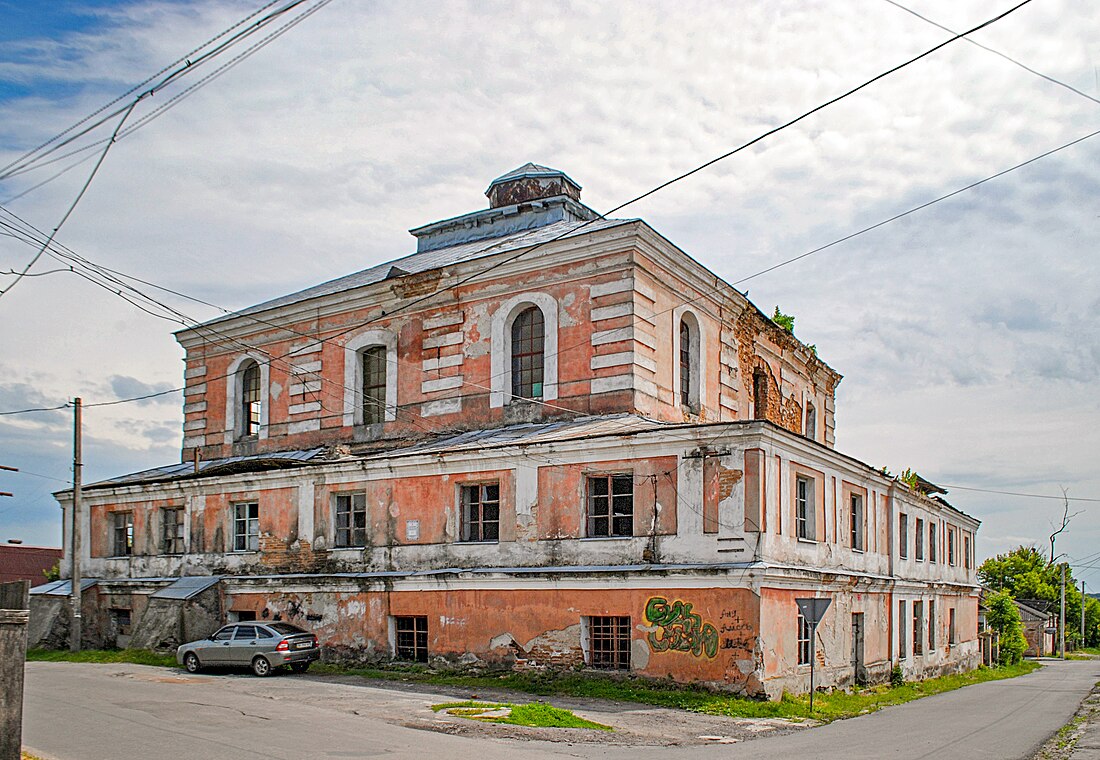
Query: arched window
[(374, 384), (528, 353), (685, 363), (251, 404)]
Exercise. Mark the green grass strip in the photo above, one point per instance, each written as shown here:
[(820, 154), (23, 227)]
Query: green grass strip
[(535, 714), (136, 656)]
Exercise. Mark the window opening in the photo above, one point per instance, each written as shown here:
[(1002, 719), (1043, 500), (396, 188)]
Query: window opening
[(609, 642), (918, 547), (172, 523), (951, 546), (610, 505), (811, 421), (374, 384), (760, 394), (931, 625), (481, 512), (123, 540), (805, 519), (528, 354), (901, 630), (903, 535), (120, 616), (412, 637), (953, 634), (351, 519), (250, 399), (857, 521), (805, 640), (685, 363), (932, 542), (918, 628), (246, 527)]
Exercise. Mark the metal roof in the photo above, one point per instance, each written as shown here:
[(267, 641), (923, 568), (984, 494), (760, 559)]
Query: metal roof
[(63, 588), (224, 465), (433, 259), (187, 587), (532, 170)]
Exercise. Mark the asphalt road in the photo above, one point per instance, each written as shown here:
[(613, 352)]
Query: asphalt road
[(94, 712)]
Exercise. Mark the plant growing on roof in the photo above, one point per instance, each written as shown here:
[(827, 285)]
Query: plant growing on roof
[(909, 478), (786, 321)]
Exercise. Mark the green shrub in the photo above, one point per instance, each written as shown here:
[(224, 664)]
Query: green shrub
[(1004, 617), (897, 676)]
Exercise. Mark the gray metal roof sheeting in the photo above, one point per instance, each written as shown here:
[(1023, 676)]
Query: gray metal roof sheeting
[(211, 466), (187, 587), (62, 588)]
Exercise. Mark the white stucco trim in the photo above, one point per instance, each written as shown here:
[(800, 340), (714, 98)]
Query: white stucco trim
[(353, 374), (233, 395), (697, 393), (501, 359)]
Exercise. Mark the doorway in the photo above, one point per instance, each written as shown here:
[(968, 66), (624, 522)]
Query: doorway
[(859, 672)]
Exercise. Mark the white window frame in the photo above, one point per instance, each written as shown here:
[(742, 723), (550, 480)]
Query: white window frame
[(353, 374), (500, 393), (805, 527), (698, 358), (234, 379)]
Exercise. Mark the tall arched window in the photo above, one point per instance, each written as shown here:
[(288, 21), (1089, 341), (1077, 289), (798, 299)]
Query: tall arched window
[(685, 363), (374, 384), (528, 353), (251, 405)]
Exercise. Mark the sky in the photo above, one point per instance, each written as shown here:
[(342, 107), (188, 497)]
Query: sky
[(968, 332)]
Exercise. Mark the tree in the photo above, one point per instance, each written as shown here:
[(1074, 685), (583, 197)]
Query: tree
[(786, 321), (1004, 618)]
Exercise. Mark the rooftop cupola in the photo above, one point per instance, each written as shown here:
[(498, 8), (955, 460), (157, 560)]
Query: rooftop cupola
[(526, 198), (530, 182)]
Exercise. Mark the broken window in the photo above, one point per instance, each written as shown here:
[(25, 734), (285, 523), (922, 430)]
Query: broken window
[(810, 429), (804, 513), (122, 539), (246, 527), (951, 546), (528, 354), (171, 521), (918, 547), (480, 512), (374, 384), (903, 535), (610, 505), (351, 519), (901, 630), (250, 399), (918, 628), (966, 552), (932, 542), (856, 521), (760, 394), (952, 633), (609, 642), (412, 637), (805, 640), (120, 616)]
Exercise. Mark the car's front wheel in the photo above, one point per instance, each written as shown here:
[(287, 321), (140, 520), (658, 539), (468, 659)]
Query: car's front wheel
[(299, 667), (191, 662), (261, 667)]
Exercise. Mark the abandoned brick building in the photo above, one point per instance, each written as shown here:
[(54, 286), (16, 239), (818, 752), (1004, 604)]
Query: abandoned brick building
[(545, 438)]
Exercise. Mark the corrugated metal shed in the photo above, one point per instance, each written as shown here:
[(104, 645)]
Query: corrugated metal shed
[(187, 587)]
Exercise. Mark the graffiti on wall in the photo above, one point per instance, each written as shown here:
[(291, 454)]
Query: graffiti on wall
[(679, 629)]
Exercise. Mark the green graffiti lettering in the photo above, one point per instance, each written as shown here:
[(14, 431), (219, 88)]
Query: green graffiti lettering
[(679, 629)]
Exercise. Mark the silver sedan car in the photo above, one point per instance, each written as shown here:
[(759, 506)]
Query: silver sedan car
[(260, 646)]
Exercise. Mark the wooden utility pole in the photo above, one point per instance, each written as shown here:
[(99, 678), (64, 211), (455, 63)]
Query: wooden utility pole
[(74, 533), (1083, 642), (13, 652), (1062, 615)]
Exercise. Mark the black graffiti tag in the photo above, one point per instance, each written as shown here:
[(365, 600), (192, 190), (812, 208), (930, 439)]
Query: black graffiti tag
[(679, 629)]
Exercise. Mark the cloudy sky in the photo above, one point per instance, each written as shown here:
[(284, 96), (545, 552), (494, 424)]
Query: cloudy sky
[(968, 332)]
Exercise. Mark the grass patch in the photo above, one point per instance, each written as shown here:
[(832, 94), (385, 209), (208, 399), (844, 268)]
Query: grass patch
[(827, 707), (535, 714), (136, 656)]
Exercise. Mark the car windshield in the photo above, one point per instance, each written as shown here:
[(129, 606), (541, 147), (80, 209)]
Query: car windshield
[(286, 628)]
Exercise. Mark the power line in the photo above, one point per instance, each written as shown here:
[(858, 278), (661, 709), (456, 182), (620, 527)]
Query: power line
[(1017, 493)]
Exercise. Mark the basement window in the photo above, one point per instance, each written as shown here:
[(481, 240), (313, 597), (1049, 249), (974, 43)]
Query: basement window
[(122, 534), (246, 527), (480, 506), (411, 637), (610, 506), (120, 617), (351, 519), (609, 642)]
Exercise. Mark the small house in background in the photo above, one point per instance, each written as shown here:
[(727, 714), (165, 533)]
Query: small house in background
[(27, 563), (545, 439), (1038, 615)]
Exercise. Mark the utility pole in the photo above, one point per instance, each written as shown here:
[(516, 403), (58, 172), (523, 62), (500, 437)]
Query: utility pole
[(74, 533), (1062, 616), (1083, 642)]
